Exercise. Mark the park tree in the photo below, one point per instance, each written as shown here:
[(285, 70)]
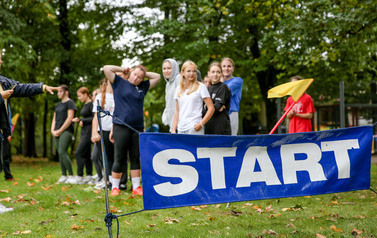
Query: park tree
[(56, 42)]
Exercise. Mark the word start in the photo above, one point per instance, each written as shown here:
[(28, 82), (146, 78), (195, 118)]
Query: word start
[(266, 173)]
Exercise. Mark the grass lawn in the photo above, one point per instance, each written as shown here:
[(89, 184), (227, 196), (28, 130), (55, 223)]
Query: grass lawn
[(45, 209)]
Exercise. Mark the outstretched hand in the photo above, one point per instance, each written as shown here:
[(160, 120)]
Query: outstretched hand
[(51, 89)]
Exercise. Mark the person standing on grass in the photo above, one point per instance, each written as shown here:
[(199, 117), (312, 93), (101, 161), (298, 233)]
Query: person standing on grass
[(170, 71), (220, 93), (106, 101), (10, 89), (62, 129), (129, 94), (235, 85), (190, 96), (83, 150), (300, 116)]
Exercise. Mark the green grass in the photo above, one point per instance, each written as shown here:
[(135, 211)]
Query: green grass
[(44, 209)]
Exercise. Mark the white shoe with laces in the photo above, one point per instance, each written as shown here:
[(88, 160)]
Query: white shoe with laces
[(62, 179), (71, 180), (4, 209)]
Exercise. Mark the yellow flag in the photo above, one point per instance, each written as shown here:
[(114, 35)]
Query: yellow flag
[(296, 89)]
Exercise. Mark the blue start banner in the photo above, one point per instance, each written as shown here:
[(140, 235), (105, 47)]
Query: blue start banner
[(184, 170)]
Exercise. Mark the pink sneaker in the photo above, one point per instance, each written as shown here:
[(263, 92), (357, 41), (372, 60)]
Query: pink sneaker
[(115, 192), (138, 191)]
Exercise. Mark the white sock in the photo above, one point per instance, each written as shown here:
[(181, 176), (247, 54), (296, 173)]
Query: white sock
[(110, 179), (135, 182), (115, 182)]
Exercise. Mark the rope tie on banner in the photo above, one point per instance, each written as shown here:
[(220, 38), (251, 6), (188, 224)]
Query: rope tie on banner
[(109, 217)]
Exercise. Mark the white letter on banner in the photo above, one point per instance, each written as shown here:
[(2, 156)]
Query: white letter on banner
[(216, 159), (342, 158), (187, 173), (290, 166), (247, 173)]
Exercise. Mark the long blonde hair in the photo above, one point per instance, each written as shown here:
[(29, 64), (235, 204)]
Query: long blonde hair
[(182, 85)]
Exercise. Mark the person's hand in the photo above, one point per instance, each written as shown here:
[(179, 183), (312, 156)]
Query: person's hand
[(96, 137), (197, 126), (81, 124), (222, 108), (51, 89), (9, 138), (76, 119), (54, 133), (6, 94), (111, 137), (291, 113)]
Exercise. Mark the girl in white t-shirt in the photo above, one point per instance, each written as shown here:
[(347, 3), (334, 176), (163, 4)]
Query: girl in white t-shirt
[(106, 101), (190, 96)]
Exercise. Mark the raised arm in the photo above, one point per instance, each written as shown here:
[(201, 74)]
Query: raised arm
[(154, 78), (111, 70)]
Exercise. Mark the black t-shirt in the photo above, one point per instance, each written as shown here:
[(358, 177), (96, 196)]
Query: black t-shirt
[(61, 111), (219, 123), (86, 114)]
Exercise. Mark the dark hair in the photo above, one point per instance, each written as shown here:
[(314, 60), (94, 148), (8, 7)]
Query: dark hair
[(297, 77), (65, 89)]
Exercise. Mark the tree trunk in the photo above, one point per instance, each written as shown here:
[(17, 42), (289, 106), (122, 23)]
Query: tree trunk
[(30, 135), (66, 42), (45, 113)]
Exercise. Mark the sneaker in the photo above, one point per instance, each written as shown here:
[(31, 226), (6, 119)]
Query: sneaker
[(71, 180), (100, 184), (62, 179), (88, 179), (138, 191), (4, 209), (94, 177), (115, 192), (80, 180), (123, 186)]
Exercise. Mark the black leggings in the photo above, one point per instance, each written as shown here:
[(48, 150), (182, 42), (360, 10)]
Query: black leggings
[(97, 155), (83, 156), (126, 140)]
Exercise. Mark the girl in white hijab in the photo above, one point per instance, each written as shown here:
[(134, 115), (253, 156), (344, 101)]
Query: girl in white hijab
[(170, 71)]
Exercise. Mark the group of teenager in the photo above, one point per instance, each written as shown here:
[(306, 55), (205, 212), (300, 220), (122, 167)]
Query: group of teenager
[(191, 107)]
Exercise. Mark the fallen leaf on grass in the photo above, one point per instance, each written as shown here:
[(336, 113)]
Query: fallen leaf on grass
[(125, 221), (319, 236), (333, 203), (333, 227), (195, 208), (170, 220), (65, 188), (29, 184), (235, 213), (38, 179), (76, 227), (48, 236), (46, 187), (269, 208), (26, 232), (151, 225), (97, 191), (5, 190), (274, 215), (212, 218), (65, 203), (355, 232), (269, 232), (290, 225), (15, 183), (7, 199)]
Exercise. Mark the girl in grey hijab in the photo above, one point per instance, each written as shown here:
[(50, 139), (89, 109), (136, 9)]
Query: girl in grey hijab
[(170, 71)]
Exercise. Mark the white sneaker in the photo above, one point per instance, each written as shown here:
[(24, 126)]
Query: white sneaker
[(62, 179), (100, 184), (94, 177), (71, 180), (4, 209), (88, 179), (80, 180)]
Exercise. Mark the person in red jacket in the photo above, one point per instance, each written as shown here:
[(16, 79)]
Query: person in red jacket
[(301, 114)]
